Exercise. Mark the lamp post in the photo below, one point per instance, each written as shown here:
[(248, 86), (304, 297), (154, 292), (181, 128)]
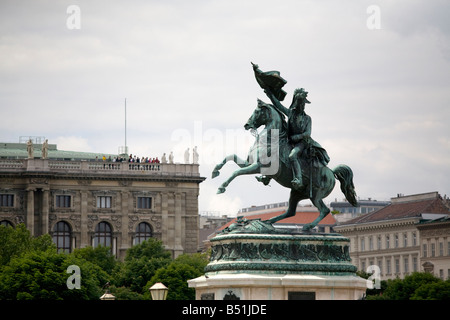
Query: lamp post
[(158, 291), (107, 296)]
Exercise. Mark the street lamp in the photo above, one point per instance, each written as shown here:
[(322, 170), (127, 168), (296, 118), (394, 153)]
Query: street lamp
[(159, 291), (107, 296)]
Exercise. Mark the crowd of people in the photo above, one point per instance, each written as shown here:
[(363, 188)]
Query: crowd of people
[(131, 158), (136, 159)]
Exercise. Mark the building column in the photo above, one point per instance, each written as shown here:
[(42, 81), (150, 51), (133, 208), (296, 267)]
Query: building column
[(84, 236), (45, 211), (126, 239), (178, 247), (30, 210), (164, 219)]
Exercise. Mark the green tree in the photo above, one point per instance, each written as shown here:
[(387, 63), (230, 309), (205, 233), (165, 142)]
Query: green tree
[(404, 289), (18, 241), (175, 278), (99, 255), (196, 260), (433, 291), (124, 293), (43, 275), (151, 248), (135, 273), (176, 275), (140, 265)]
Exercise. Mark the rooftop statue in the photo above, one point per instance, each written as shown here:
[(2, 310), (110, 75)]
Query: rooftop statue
[(286, 152)]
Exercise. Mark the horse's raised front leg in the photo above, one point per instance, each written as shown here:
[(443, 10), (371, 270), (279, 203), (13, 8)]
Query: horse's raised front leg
[(251, 169), (241, 163)]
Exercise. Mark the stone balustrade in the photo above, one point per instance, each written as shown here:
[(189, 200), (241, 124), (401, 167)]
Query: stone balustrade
[(99, 167)]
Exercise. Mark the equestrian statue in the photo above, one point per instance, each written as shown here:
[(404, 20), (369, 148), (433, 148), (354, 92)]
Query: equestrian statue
[(286, 152)]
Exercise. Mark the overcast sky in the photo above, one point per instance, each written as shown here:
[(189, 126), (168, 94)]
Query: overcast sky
[(377, 73)]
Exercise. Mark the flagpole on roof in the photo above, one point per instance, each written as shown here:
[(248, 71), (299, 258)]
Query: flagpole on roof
[(126, 148)]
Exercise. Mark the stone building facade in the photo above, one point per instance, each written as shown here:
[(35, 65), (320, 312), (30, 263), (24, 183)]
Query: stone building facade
[(116, 204), (435, 246), (396, 238)]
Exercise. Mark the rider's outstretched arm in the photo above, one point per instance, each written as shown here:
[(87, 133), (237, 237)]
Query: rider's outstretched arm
[(277, 104)]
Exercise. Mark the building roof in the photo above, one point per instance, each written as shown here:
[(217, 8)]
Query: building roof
[(405, 207), (433, 222), (301, 218), (361, 203), (19, 151)]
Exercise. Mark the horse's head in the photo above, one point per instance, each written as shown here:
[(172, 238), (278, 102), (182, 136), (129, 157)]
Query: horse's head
[(261, 116)]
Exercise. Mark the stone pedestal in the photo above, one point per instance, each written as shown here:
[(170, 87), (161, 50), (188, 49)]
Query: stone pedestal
[(279, 266), (245, 286)]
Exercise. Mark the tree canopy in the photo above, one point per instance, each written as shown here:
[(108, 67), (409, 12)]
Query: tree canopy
[(32, 269), (416, 286)]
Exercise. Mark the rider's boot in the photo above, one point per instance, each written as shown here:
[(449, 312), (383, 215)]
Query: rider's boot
[(297, 182)]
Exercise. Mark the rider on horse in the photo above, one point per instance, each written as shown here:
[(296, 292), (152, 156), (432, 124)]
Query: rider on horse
[(299, 134)]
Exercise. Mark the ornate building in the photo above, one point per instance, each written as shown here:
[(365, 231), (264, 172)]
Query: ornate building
[(80, 201), (435, 246), (402, 237)]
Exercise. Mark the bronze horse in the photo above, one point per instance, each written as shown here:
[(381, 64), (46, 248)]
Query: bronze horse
[(318, 181)]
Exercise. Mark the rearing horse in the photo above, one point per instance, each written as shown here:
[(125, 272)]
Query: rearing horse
[(318, 181)]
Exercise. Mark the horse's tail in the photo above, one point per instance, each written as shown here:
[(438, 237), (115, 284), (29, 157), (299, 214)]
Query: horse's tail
[(345, 176)]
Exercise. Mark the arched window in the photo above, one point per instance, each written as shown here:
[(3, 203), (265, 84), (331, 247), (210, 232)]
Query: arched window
[(103, 235), (6, 223), (62, 235), (143, 232)]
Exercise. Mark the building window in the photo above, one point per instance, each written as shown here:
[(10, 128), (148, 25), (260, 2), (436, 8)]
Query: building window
[(425, 250), (6, 223), (441, 249), (405, 240), (363, 244), (396, 241), (143, 232), (62, 236), (144, 202), (104, 202), (414, 264), (387, 242), (63, 201), (388, 266), (397, 266), (406, 265), (6, 200), (103, 235), (379, 242), (371, 244), (414, 239), (433, 250)]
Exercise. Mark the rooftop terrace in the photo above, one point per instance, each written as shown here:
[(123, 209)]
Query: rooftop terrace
[(83, 167), (14, 159)]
